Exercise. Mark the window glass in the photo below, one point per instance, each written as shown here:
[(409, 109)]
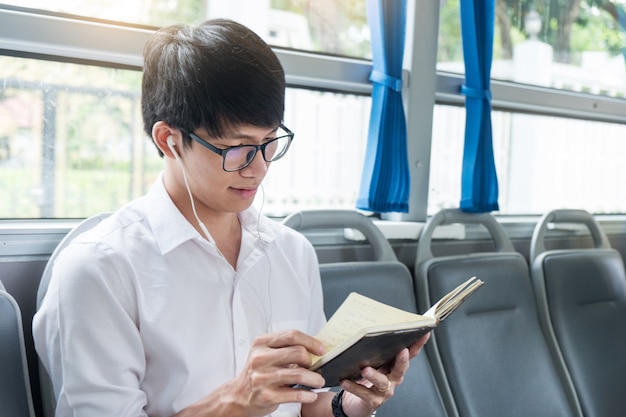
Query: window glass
[(548, 43), (328, 26), (150, 12), (324, 164), (543, 163), (72, 144), (71, 139)]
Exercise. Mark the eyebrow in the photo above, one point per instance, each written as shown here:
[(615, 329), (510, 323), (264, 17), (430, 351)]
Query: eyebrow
[(234, 135), (244, 135)]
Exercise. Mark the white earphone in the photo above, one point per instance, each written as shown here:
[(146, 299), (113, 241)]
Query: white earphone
[(171, 144)]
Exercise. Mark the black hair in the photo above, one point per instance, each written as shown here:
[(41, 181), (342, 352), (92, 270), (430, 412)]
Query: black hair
[(213, 75)]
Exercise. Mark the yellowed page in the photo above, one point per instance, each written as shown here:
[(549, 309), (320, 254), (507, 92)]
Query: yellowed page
[(356, 313), (451, 301)]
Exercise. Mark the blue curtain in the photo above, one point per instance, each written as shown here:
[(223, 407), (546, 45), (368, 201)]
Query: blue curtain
[(479, 183), (385, 183)]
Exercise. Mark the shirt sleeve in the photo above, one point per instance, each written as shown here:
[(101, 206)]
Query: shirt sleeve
[(87, 335)]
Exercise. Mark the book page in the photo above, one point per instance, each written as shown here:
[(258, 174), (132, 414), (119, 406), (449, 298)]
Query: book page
[(388, 329), (444, 307), (358, 312)]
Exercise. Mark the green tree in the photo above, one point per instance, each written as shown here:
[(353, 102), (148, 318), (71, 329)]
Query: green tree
[(565, 25), (335, 27), (449, 43)]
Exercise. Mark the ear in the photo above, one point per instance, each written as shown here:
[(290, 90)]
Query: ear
[(161, 131)]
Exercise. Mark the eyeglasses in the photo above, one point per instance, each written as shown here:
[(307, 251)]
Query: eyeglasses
[(235, 158)]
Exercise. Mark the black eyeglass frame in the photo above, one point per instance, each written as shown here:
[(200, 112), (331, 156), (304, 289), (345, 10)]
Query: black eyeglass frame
[(223, 152)]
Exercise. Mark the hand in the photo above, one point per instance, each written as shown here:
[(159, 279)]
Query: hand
[(377, 385), (276, 362)]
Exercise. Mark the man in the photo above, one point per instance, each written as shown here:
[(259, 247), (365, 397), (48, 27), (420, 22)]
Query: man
[(188, 302)]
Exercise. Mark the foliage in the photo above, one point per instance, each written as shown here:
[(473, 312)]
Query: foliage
[(596, 29), (336, 27), (570, 27), (450, 47)]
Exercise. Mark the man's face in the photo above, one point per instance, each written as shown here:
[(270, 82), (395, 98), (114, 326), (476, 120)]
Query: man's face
[(216, 190)]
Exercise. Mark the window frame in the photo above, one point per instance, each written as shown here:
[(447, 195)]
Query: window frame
[(44, 35)]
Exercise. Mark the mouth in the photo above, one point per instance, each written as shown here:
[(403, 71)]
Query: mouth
[(245, 192)]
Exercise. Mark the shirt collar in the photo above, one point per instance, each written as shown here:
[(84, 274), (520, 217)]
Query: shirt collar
[(171, 229), (257, 224)]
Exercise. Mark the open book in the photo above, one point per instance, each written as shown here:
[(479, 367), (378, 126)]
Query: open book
[(364, 332)]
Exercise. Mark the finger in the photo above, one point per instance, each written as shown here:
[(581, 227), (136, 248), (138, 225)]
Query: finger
[(268, 397), (364, 389), (386, 388), (359, 400), (366, 398), (401, 365), (416, 348), (269, 385), (383, 383), (299, 377), (384, 380), (293, 338), (296, 395), (261, 356)]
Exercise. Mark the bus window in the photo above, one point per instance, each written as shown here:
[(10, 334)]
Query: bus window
[(542, 162), (558, 126), (69, 103), (73, 140), (72, 144), (328, 26), (540, 43)]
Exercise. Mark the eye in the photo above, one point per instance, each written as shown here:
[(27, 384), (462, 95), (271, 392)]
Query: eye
[(250, 155)]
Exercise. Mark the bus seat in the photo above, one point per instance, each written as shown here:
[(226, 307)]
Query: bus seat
[(491, 351), (581, 297), (48, 397), (15, 393), (384, 279)]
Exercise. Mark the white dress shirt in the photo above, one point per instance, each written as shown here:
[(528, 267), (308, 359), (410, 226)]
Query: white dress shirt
[(143, 316)]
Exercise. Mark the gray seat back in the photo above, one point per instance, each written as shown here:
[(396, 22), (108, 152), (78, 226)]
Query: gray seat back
[(384, 279), (48, 397), (581, 297), (15, 394), (491, 351)]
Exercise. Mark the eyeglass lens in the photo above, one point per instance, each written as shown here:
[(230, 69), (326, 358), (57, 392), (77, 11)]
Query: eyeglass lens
[(239, 157)]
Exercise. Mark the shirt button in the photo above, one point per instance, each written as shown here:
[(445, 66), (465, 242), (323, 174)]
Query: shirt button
[(242, 342)]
